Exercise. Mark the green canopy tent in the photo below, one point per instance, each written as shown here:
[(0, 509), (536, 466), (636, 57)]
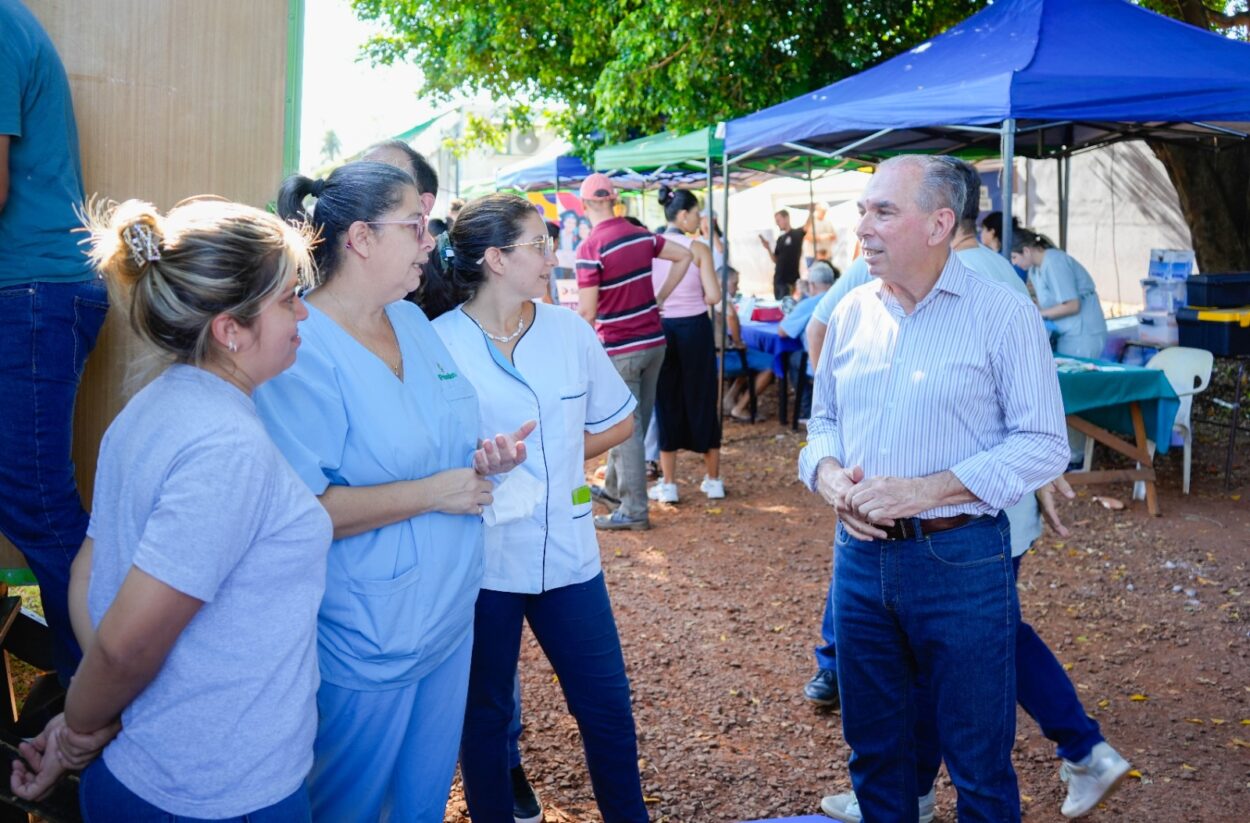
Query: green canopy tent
[(697, 160)]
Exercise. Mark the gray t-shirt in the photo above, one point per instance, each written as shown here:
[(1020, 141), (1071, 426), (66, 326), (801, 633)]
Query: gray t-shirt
[(191, 490)]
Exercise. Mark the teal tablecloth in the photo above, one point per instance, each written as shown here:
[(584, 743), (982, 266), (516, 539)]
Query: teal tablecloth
[(1102, 396)]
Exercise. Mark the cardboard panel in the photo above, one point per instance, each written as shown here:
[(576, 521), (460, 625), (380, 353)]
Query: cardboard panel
[(173, 99)]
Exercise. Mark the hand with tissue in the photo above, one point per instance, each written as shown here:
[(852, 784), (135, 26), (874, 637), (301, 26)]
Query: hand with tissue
[(515, 498), (504, 453)]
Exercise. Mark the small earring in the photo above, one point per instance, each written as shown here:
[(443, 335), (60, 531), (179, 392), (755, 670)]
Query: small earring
[(232, 346)]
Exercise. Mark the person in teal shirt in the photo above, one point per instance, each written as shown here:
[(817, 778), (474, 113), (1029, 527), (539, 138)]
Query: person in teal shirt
[(51, 308), (376, 419), (1065, 294)]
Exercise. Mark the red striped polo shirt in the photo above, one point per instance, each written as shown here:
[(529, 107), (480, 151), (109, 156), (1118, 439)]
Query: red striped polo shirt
[(617, 257)]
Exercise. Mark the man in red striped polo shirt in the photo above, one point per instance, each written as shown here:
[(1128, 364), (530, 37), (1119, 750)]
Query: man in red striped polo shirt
[(617, 297)]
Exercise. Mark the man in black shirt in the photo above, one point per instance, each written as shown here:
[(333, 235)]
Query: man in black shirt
[(785, 256)]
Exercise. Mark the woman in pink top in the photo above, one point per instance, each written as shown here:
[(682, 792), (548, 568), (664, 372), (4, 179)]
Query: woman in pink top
[(685, 399)]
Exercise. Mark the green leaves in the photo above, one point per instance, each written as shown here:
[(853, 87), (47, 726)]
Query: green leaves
[(627, 68)]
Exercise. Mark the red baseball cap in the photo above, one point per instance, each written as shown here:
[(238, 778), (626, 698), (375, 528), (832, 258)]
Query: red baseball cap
[(598, 186)]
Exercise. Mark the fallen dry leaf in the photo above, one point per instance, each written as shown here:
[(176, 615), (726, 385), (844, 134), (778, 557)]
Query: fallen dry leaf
[(1138, 698)]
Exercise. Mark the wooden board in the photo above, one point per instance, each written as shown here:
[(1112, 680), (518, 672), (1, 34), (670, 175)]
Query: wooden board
[(173, 98)]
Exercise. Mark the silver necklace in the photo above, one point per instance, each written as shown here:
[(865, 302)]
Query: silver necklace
[(502, 338)]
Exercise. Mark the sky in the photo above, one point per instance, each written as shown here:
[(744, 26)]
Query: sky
[(361, 103)]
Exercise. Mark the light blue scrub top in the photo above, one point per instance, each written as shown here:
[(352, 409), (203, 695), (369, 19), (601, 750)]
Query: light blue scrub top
[(1061, 278), (399, 599), (560, 376)]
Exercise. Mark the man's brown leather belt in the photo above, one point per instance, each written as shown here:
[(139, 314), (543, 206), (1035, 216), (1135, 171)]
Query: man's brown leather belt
[(913, 528)]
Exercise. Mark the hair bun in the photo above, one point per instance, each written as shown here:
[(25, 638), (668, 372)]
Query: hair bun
[(665, 195), (125, 238), (317, 187)]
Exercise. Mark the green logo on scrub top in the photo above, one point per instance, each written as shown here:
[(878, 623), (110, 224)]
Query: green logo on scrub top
[(443, 374)]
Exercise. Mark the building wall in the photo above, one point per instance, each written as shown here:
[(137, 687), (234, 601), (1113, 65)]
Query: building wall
[(173, 98)]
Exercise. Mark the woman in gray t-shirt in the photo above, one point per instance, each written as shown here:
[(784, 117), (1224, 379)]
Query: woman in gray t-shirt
[(195, 595)]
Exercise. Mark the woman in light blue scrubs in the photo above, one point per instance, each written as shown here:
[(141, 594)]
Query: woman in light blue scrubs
[(1065, 294), (376, 419), (528, 359)]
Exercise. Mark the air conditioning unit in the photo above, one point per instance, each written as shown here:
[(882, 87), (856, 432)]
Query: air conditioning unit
[(524, 142)]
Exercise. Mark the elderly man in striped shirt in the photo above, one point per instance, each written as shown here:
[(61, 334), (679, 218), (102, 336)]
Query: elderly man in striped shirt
[(936, 406)]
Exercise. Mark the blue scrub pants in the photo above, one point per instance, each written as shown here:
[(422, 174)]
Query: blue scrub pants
[(390, 754), (576, 629)]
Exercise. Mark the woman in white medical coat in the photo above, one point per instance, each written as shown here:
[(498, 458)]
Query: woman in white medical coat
[(531, 360)]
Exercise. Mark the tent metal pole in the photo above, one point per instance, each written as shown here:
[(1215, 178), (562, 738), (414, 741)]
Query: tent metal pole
[(1009, 157), (724, 292), (1065, 191)]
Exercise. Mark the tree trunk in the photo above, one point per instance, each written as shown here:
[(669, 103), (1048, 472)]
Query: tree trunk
[(1214, 192)]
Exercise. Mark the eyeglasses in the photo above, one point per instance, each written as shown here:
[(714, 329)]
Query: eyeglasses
[(418, 225), (545, 244)]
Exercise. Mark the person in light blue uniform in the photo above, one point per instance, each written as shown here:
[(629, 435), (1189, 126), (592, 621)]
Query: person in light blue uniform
[(822, 689), (377, 420), (528, 359), (1067, 299), (1065, 294)]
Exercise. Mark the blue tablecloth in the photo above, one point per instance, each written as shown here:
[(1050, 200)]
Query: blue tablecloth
[(1102, 395), (767, 338)]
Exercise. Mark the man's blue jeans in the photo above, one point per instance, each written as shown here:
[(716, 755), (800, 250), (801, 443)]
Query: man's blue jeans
[(46, 332), (941, 610)]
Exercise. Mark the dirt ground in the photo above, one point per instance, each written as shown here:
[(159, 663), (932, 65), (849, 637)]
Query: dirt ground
[(719, 606)]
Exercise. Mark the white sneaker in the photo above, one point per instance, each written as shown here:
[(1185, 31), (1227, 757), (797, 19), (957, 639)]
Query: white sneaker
[(1092, 780), (845, 807), (662, 492), (714, 488)]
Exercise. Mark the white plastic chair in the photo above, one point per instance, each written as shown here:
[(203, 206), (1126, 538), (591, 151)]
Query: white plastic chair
[(1189, 372)]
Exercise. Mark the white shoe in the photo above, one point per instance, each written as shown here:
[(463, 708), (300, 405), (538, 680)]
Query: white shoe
[(713, 487), (662, 492), (1092, 780), (845, 807)]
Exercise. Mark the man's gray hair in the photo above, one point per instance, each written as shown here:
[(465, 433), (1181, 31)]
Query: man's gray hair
[(821, 272), (942, 184)]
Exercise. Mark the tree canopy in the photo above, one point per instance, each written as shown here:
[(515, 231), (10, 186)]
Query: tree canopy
[(612, 70), (625, 68)]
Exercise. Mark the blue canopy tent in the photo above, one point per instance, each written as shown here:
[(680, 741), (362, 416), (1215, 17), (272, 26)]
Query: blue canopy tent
[(545, 172), (1039, 78)]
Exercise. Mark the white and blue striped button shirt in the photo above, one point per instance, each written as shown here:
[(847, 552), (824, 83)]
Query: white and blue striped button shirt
[(966, 382)]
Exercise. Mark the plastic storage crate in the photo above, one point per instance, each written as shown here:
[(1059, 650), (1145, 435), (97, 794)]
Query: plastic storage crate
[(1219, 331), (1163, 295), (1219, 290)]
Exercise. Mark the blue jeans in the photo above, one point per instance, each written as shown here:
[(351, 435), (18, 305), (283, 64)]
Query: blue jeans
[(104, 799), (827, 654), (941, 610), (576, 629), (1045, 692), (46, 332)]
